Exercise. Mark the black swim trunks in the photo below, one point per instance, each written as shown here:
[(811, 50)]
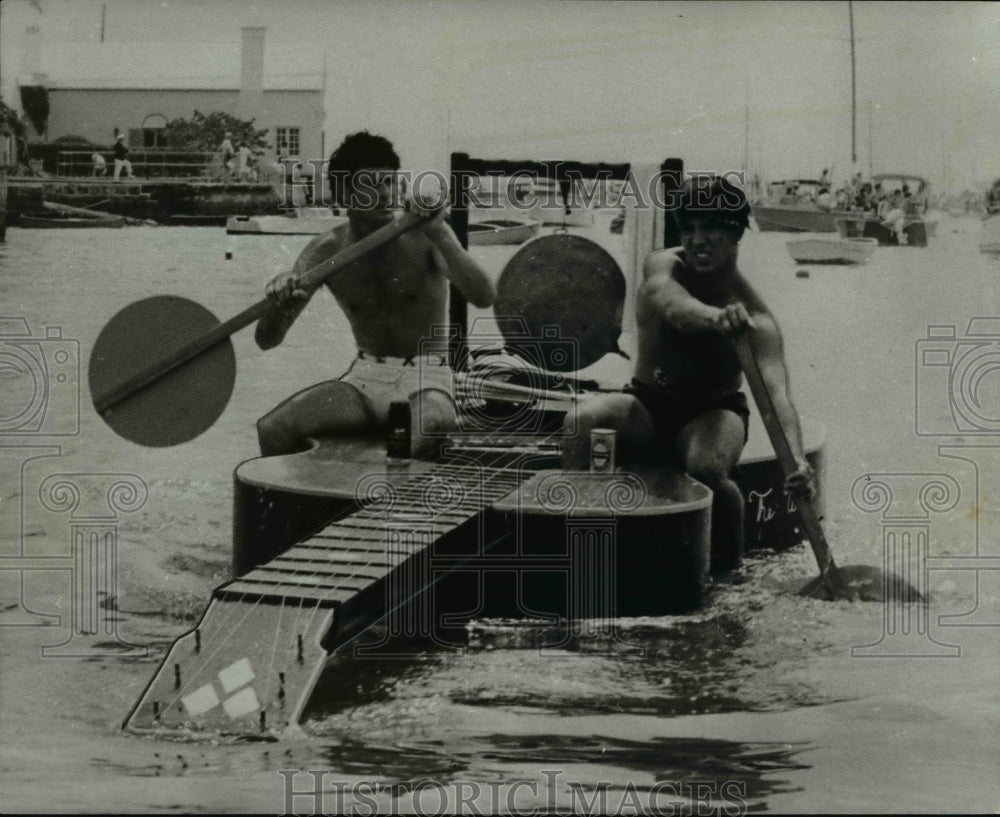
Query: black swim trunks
[(671, 412)]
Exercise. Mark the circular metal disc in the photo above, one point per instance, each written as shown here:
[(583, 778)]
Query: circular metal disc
[(182, 403), (559, 302)]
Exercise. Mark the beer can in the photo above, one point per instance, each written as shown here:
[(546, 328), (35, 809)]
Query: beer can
[(602, 450), (398, 442)]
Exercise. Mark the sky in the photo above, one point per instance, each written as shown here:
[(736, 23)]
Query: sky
[(724, 85)]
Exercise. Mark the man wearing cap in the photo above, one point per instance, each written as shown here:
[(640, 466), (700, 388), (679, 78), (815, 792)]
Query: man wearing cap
[(121, 158), (684, 404)]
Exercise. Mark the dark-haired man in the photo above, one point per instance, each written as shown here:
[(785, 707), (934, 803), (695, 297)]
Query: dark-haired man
[(393, 298), (684, 404)]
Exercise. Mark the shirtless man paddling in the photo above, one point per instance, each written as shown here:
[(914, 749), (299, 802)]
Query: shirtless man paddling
[(684, 404), (393, 297)]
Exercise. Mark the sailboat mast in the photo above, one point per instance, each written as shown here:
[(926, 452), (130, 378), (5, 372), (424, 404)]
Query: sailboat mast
[(746, 135), (854, 106)]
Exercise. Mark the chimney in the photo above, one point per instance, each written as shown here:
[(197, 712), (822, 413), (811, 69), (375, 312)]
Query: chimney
[(31, 57), (249, 104)]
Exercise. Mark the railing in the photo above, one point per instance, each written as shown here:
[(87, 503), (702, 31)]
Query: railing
[(150, 164)]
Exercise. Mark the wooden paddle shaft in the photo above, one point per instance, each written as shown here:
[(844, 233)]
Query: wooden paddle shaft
[(310, 279), (501, 388), (783, 450)]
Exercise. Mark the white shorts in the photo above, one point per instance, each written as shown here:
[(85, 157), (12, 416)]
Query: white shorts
[(393, 379)]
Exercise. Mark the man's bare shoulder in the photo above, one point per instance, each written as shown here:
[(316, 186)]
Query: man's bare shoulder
[(666, 261), (324, 246)]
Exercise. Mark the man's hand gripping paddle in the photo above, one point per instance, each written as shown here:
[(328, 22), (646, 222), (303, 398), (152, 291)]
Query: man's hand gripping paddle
[(163, 369), (854, 582)]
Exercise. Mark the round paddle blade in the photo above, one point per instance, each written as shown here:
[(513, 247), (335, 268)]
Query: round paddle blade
[(178, 405), (566, 295)]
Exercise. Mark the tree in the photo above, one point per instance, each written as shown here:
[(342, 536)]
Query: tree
[(10, 121), (35, 101), (202, 132)]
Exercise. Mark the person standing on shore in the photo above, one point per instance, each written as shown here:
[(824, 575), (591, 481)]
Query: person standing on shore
[(393, 298), (121, 158), (99, 163), (244, 162), (684, 405), (227, 152)]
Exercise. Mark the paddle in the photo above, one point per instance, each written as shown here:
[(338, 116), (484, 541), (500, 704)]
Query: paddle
[(867, 583), (178, 362)]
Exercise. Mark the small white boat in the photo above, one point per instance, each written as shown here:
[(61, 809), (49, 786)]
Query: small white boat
[(301, 221), (832, 250), (552, 209), (990, 237), (502, 231)]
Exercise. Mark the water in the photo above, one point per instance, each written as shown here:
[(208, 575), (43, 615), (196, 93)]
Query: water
[(757, 698)]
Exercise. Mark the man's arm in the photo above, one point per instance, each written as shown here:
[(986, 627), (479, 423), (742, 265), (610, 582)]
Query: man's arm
[(460, 268), (662, 293), (768, 348), (288, 295)]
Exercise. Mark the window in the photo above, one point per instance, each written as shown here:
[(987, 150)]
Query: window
[(287, 141), (151, 135)]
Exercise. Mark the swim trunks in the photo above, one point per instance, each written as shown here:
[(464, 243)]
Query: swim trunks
[(385, 379), (671, 412)]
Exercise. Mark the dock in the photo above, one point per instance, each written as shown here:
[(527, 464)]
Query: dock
[(163, 200)]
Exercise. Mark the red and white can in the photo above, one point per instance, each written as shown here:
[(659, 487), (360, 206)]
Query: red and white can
[(602, 450)]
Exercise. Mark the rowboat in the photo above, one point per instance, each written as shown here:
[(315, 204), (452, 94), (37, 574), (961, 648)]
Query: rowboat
[(64, 223), (302, 221), (832, 250), (502, 231)]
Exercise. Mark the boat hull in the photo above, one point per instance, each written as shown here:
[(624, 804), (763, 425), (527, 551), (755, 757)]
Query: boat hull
[(44, 223), (779, 218), (832, 250), (283, 225), (502, 231), (868, 227), (281, 501)]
